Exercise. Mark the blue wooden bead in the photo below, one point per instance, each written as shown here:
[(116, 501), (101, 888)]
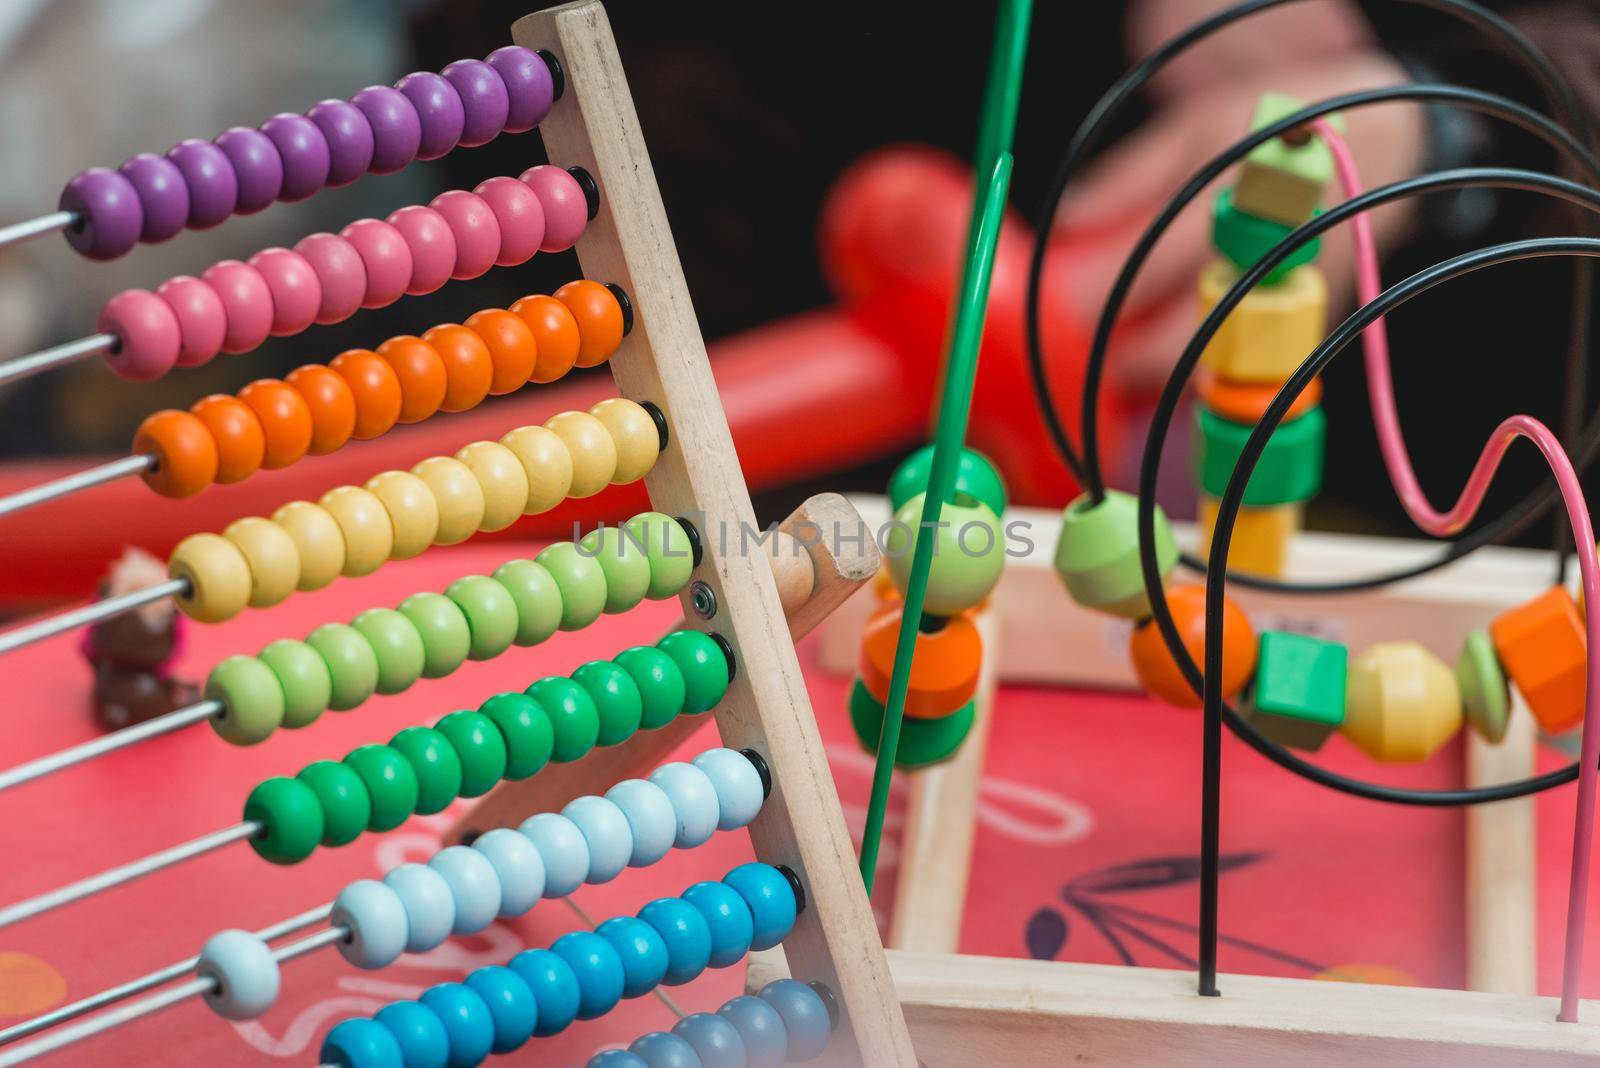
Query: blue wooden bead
[(686, 935), (771, 900), (615, 1058), (598, 970), (517, 865), (694, 802), (510, 1002), (430, 907), (805, 1017), (376, 918), (474, 887), (362, 1043), (605, 830), (716, 1041), (246, 973), (728, 919), (661, 1050), (766, 1042), (466, 1020), (652, 823), (563, 849), (554, 986), (642, 951), (738, 786), (424, 1043)]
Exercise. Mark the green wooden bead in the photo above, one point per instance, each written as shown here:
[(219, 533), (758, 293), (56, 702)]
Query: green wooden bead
[(346, 805), (1290, 469), (390, 781), (436, 764), (1279, 180), (537, 597), (529, 737), (307, 684), (1097, 555), (1485, 695), (481, 747), (291, 818), (922, 741), (1299, 689), (704, 667), (490, 611), (443, 627), (968, 557), (1244, 238), (616, 699), (975, 476), (251, 696), (580, 579), (667, 546), (574, 720), (625, 563), (397, 644), (662, 689), (352, 664)]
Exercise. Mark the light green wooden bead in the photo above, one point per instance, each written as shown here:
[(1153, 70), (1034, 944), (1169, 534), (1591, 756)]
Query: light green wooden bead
[(490, 611), (969, 553), (1098, 554), (625, 563), (580, 579), (669, 550), (443, 627), (303, 674), (397, 645), (352, 664), (1484, 694), (252, 700), (537, 597)]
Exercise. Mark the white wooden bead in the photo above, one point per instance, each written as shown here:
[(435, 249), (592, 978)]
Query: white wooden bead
[(245, 971), (738, 786), (474, 886), (518, 865), (694, 802), (563, 849), (605, 829), (651, 819), (377, 921), (430, 908)]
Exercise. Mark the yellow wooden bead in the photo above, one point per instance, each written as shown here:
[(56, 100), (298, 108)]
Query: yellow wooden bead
[(634, 434), (594, 454), (1261, 536), (318, 542), (218, 574), (546, 462), (270, 552), (365, 524), (1401, 702), (456, 496), (413, 512), (504, 483), (1271, 331)]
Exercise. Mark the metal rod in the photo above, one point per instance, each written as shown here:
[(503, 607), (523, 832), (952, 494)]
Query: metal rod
[(90, 613), (127, 873), (45, 359), (110, 743), (44, 224), (136, 464)]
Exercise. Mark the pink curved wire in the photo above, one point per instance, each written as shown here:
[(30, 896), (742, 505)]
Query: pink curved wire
[(1380, 389)]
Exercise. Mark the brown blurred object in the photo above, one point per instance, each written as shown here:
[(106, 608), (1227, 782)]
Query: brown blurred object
[(130, 654)]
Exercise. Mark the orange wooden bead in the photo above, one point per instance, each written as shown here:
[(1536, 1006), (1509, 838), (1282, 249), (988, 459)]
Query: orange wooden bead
[(423, 381), (1160, 674), (1541, 647), (234, 426), (944, 662), (513, 349), (468, 366), (184, 449), (375, 388), (332, 406), (556, 333), (285, 419), (1245, 402), (599, 319)]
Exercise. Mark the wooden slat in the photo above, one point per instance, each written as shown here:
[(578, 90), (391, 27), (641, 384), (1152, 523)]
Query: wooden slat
[(1502, 865)]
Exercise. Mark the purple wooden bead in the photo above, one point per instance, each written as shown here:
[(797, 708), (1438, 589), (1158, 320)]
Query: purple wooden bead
[(162, 195), (484, 97), (529, 87), (349, 137), (213, 187), (440, 110), (306, 159), (256, 165), (396, 129)]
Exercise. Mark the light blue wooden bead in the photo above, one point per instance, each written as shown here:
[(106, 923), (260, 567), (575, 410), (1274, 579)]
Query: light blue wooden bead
[(616, 1058), (771, 901), (642, 951), (362, 1043), (605, 830), (805, 1017), (738, 786), (430, 908), (651, 820), (467, 1020), (511, 1003), (686, 935), (694, 802), (661, 1050), (376, 918), (716, 1041), (424, 1042), (518, 866), (598, 969), (766, 1041), (563, 849), (727, 919), (474, 887), (245, 972)]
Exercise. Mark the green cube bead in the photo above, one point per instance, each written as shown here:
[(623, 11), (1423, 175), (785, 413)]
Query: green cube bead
[(529, 737), (436, 764), (661, 685), (626, 565), (396, 643), (491, 614), (1279, 180), (390, 781), (574, 720), (303, 675), (704, 667), (446, 638), (346, 806), (667, 547), (1298, 699), (975, 476), (581, 581), (291, 819), (1244, 238), (922, 741), (1097, 555), (1485, 695), (969, 553), (616, 698), (537, 597), (352, 664), (1290, 468), (481, 747), (252, 700)]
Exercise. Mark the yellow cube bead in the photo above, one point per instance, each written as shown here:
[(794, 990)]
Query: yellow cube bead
[(270, 552), (1261, 536), (1401, 702), (1271, 331)]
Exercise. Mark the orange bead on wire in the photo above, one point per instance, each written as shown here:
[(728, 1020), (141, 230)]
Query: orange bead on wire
[(375, 388), (241, 443), (285, 420), (512, 348), (945, 661), (185, 452), (469, 368), (599, 316), (1160, 675), (331, 404), (555, 334), (421, 373)]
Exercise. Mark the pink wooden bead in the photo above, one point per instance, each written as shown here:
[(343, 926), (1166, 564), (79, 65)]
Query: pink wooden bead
[(432, 244), (247, 302), (520, 216), (341, 275), (202, 320), (296, 293), (566, 209), (387, 258), (477, 231), (147, 335)]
